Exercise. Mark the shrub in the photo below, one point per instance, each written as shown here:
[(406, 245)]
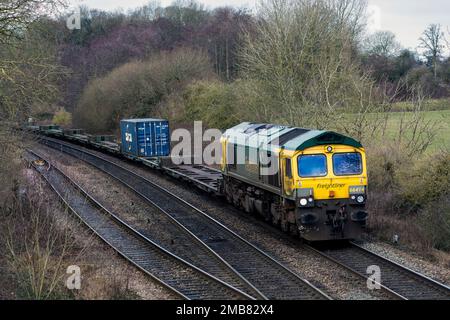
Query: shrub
[(424, 78), (427, 182), (136, 89), (435, 221), (218, 104), (62, 118), (409, 196), (212, 102)]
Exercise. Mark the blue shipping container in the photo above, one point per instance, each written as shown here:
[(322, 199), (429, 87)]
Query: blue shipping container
[(145, 137)]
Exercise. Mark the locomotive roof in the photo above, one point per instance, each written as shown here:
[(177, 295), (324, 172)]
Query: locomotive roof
[(272, 136), (143, 120)]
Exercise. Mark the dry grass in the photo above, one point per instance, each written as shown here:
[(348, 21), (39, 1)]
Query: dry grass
[(110, 282), (37, 246), (385, 225), (39, 239)]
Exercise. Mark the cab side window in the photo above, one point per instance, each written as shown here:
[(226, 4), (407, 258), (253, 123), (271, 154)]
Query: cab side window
[(288, 166)]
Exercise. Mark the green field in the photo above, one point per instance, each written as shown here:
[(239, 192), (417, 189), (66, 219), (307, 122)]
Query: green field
[(437, 111), (427, 105), (439, 120), (442, 126)]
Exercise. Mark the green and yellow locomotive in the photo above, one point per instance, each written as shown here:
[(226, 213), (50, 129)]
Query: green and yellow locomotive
[(312, 183)]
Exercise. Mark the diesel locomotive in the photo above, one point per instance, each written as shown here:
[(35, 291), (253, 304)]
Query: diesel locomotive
[(317, 185)]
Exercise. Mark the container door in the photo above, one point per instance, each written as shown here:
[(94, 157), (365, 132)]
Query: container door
[(162, 138), (128, 137), (144, 139)]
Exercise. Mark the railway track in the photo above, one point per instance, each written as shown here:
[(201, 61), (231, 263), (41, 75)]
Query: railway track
[(272, 279), (397, 280), (183, 243), (173, 272)]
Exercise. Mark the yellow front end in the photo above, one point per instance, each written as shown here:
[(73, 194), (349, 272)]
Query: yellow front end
[(330, 186)]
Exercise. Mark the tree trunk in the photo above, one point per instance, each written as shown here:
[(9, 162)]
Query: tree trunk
[(217, 59), (226, 60), (435, 68)]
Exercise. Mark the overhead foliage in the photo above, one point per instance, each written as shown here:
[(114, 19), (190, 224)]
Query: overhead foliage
[(17, 15), (135, 89), (107, 40), (29, 72), (303, 56)]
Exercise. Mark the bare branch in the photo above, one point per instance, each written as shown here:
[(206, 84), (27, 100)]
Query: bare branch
[(17, 15)]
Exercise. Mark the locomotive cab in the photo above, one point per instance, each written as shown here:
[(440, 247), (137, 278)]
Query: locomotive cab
[(329, 187)]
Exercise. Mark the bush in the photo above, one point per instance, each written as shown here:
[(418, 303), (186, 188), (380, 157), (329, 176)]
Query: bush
[(10, 152), (426, 183), (62, 118), (218, 104), (212, 102), (435, 221), (410, 197), (423, 77), (137, 89)]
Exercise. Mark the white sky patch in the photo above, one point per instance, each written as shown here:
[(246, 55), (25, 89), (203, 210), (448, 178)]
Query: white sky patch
[(407, 19), (373, 18)]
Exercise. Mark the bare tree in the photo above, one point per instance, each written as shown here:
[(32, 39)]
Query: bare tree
[(16, 15), (432, 42), (382, 43), (28, 74), (302, 59), (27, 61)]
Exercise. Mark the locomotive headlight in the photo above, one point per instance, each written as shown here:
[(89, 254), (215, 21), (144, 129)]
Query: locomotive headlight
[(360, 199), (305, 198), (303, 202)]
